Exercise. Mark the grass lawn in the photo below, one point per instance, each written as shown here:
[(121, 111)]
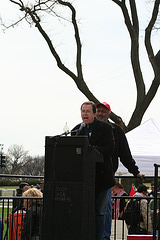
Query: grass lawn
[(4, 216), (9, 187)]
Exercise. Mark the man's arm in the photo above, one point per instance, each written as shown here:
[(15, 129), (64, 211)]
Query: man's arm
[(125, 155)]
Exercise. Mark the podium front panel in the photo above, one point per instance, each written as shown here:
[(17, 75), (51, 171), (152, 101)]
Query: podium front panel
[(69, 189)]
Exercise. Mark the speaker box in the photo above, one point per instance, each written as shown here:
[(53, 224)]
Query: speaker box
[(69, 189)]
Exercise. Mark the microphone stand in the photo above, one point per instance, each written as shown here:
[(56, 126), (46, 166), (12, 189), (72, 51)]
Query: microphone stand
[(66, 133)]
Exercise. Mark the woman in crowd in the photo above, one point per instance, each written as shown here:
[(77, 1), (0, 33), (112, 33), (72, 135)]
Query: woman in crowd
[(32, 220), (118, 191)]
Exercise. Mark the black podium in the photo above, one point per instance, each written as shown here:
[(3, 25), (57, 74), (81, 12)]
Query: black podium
[(69, 189)]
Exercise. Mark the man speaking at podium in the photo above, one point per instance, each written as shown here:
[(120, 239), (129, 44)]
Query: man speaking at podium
[(101, 137)]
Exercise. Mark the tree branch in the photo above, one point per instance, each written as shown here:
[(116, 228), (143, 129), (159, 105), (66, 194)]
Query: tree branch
[(134, 16), (77, 37), (20, 4), (133, 30), (78, 79), (148, 32)]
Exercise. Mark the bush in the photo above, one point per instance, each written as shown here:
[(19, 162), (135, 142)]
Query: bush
[(17, 183)]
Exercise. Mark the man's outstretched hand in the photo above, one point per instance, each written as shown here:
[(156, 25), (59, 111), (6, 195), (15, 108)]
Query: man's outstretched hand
[(140, 176)]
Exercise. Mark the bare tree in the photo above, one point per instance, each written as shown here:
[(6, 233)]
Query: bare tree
[(33, 166), (144, 98), (19, 162), (15, 157), (32, 13)]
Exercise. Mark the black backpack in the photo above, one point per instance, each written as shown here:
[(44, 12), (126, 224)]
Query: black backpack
[(132, 214)]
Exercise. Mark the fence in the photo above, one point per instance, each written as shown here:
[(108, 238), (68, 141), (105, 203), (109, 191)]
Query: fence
[(11, 222), (12, 212), (12, 218), (120, 227)]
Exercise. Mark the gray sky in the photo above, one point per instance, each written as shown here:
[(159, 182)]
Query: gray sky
[(37, 99)]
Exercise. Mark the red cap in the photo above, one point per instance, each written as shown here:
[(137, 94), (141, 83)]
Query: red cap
[(105, 104)]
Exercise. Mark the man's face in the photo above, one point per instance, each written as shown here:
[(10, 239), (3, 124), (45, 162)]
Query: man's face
[(103, 113), (87, 114)]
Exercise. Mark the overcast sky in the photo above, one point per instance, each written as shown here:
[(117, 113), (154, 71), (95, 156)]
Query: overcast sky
[(37, 99)]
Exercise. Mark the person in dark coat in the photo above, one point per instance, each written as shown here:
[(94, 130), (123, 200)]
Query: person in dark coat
[(18, 203), (100, 137), (122, 152), (31, 228)]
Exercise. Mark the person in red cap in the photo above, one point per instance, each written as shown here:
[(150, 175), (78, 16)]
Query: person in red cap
[(122, 151)]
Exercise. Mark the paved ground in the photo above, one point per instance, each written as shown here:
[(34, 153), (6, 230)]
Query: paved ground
[(119, 230)]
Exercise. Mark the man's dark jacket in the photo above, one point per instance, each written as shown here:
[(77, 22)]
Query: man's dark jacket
[(103, 140), (122, 151)]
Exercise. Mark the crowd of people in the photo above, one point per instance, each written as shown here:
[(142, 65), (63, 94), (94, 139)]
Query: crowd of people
[(141, 215), (25, 220)]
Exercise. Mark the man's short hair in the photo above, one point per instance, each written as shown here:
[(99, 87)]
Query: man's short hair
[(22, 184), (90, 103), (142, 188)]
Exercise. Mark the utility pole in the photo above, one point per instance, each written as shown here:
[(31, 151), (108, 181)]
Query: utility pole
[(2, 157), (1, 146)]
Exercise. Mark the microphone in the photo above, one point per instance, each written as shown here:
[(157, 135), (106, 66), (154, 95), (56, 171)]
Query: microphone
[(80, 128)]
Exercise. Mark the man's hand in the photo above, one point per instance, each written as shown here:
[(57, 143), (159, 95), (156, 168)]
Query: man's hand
[(140, 176)]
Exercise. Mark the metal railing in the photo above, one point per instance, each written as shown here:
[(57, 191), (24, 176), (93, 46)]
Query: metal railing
[(10, 231), (122, 231), (12, 212), (12, 218), (13, 221)]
